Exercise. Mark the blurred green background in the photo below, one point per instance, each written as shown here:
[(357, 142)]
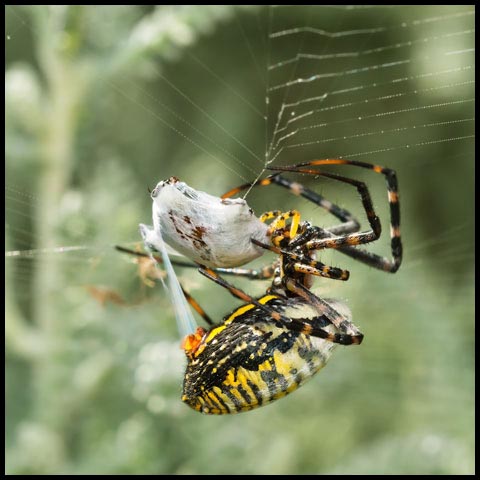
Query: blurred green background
[(103, 102)]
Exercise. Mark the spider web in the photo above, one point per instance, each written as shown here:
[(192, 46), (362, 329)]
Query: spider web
[(390, 85), (396, 92), (416, 73)]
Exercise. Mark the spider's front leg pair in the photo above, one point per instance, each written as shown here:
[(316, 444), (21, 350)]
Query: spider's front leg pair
[(344, 237)]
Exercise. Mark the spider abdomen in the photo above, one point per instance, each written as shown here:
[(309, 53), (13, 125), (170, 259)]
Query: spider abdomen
[(247, 361)]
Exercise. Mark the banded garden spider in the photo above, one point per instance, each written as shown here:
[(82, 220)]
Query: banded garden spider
[(269, 346)]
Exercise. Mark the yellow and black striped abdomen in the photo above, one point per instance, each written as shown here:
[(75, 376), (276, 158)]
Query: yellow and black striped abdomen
[(247, 362)]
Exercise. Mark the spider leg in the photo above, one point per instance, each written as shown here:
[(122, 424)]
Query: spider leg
[(263, 273), (360, 254), (306, 265), (357, 237), (194, 304), (300, 325), (333, 315), (390, 265), (350, 223), (321, 270)]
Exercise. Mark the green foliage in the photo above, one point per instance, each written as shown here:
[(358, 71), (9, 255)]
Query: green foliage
[(94, 116)]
